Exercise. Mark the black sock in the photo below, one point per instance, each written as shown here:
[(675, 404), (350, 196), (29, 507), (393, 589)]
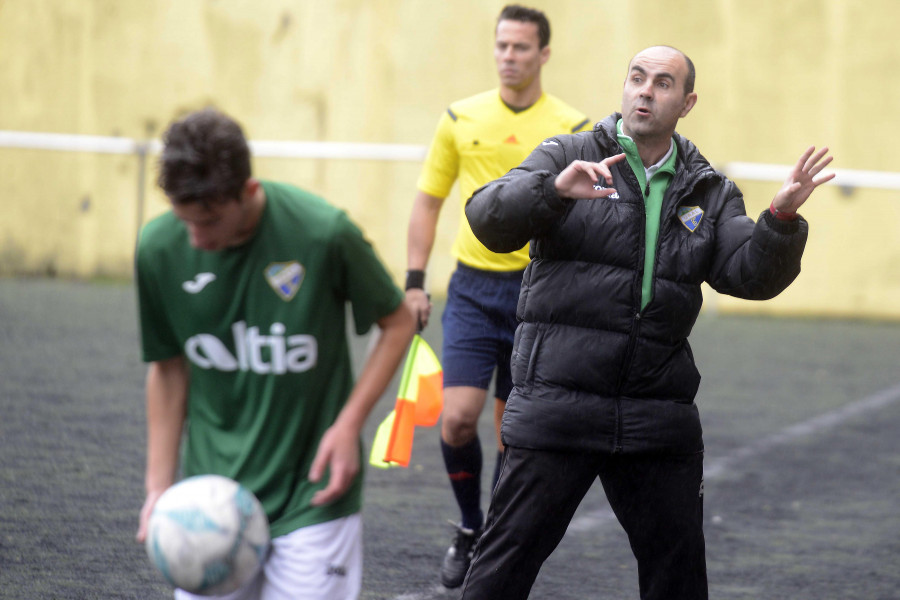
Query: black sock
[(464, 470)]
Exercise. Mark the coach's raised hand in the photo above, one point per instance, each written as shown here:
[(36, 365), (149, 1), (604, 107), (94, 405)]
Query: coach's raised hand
[(579, 179), (801, 182)]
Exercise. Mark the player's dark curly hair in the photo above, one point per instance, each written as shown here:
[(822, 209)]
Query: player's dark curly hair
[(515, 12), (205, 158)]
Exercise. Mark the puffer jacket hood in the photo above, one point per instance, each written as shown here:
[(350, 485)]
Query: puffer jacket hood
[(591, 370)]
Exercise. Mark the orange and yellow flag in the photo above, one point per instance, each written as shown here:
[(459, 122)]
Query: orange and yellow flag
[(420, 400)]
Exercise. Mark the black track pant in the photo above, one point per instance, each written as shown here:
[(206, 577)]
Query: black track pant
[(658, 499)]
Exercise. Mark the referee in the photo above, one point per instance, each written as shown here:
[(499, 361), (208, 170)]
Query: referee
[(478, 139)]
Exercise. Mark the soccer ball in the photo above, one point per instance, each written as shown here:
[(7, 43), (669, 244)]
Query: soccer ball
[(207, 535)]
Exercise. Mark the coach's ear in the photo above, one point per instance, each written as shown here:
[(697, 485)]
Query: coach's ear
[(689, 101)]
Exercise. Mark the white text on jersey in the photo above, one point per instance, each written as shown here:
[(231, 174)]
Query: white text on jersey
[(285, 354)]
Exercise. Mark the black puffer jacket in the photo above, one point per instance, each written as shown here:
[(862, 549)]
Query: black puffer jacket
[(592, 372)]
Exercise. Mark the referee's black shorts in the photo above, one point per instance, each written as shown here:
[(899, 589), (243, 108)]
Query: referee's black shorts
[(479, 324)]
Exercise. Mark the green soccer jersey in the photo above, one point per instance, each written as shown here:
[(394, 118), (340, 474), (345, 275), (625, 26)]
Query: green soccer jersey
[(263, 329)]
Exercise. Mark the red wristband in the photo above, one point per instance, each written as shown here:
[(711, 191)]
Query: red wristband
[(781, 215)]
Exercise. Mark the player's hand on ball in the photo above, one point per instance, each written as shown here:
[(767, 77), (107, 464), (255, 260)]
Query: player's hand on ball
[(147, 509), (207, 535)]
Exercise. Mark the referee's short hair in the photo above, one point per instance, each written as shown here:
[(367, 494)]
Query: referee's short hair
[(515, 12)]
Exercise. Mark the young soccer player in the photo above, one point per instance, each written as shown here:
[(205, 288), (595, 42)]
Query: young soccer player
[(242, 289)]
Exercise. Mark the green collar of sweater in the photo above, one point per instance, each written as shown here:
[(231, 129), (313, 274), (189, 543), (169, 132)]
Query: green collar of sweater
[(660, 176)]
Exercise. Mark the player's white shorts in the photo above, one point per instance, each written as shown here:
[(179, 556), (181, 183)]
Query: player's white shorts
[(319, 562)]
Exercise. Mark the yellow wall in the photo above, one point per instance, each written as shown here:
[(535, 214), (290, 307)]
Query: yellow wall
[(773, 77)]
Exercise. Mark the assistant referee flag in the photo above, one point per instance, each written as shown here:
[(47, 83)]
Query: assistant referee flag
[(420, 400)]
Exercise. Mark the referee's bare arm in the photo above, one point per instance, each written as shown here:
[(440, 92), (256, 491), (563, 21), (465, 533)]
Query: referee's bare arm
[(419, 241)]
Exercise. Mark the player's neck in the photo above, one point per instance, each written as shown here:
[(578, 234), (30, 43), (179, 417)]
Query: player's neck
[(519, 100), (254, 210)]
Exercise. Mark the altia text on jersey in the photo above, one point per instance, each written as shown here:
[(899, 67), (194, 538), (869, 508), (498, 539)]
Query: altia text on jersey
[(262, 354)]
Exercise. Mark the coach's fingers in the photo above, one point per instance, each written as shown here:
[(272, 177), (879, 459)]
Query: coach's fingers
[(815, 159), (577, 171), (604, 176), (608, 162), (585, 179), (602, 192), (602, 170)]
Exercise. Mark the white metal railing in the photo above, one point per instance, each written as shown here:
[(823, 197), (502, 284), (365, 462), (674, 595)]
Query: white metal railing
[(266, 149), (845, 178)]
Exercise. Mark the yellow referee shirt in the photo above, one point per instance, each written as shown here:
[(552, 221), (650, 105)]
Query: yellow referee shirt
[(480, 139)]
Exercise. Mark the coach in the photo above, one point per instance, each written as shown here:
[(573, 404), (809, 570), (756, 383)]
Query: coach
[(625, 223)]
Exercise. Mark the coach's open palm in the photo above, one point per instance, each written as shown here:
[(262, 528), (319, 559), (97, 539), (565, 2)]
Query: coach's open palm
[(801, 182)]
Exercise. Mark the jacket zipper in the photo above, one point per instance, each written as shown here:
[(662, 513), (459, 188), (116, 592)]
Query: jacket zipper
[(635, 329), (632, 339), (626, 367)]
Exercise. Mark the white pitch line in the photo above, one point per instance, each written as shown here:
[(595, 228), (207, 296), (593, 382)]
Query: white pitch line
[(716, 468), (806, 428), (595, 519)]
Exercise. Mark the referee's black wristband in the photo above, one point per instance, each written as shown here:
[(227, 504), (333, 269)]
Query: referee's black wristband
[(415, 279)]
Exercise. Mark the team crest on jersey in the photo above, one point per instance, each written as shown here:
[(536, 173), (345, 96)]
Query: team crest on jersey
[(285, 278), (690, 216)]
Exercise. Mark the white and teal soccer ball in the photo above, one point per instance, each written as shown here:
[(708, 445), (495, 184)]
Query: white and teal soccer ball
[(208, 535)]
